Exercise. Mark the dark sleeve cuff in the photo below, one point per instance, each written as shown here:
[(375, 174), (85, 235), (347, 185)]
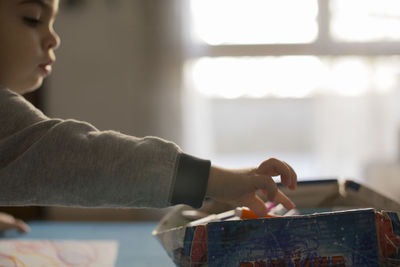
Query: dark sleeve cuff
[(190, 181)]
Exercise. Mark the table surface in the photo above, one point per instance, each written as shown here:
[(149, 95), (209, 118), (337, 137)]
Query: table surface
[(137, 246)]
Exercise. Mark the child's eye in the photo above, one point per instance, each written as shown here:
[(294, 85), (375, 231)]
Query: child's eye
[(33, 22)]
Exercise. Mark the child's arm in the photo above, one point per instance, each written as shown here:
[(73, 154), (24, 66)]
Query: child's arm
[(48, 161), (45, 161), (239, 187)]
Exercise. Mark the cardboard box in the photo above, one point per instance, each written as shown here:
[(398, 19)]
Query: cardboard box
[(355, 237)]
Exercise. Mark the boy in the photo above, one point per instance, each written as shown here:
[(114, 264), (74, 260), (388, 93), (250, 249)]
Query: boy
[(46, 161)]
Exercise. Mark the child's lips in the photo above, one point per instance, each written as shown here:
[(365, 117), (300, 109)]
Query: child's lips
[(46, 67)]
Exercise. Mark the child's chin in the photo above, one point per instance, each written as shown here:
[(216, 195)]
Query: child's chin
[(28, 88)]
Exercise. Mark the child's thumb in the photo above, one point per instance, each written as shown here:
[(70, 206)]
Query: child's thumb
[(256, 205), (271, 191), (267, 185)]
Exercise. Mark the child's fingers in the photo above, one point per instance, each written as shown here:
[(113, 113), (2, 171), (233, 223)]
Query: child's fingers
[(274, 167), (288, 176), (269, 167), (267, 185), (280, 197), (293, 181), (284, 200), (22, 226), (256, 204), (6, 218), (7, 221)]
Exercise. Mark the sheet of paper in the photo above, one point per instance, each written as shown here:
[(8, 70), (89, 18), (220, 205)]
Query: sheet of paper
[(60, 253)]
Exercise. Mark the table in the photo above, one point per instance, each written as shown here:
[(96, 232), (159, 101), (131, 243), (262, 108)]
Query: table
[(137, 247)]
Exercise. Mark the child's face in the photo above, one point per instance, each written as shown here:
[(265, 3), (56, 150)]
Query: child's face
[(27, 42)]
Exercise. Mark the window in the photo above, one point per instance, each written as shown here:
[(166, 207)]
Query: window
[(254, 21), (314, 82), (365, 20), (293, 76)]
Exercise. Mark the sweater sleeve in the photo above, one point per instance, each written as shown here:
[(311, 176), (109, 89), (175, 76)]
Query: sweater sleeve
[(45, 161)]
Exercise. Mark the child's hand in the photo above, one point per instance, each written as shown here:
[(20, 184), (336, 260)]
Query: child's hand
[(9, 222), (239, 187)]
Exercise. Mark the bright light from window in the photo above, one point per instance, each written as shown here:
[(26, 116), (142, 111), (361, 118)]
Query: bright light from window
[(349, 77), (289, 76), (365, 20), (385, 77), (293, 76), (254, 21)]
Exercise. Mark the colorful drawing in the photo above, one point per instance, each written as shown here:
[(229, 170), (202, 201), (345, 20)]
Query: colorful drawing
[(60, 253)]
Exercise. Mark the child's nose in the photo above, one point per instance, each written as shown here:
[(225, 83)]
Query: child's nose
[(52, 40)]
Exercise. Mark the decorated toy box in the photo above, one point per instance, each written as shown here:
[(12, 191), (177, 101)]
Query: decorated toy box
[(334, 233)]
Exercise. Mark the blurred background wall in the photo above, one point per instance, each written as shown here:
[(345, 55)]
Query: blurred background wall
[(313, 82), (118, 66)]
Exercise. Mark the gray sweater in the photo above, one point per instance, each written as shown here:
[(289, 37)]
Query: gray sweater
[(45, 161)]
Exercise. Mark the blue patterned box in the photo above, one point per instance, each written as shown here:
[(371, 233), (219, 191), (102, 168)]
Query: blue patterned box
[(343, 223), (363, 237)]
